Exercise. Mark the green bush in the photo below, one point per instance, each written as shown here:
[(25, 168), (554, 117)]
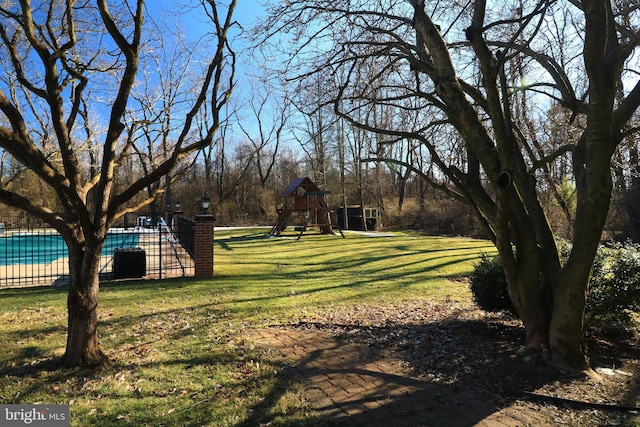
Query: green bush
[(489, 285), (614, 290)]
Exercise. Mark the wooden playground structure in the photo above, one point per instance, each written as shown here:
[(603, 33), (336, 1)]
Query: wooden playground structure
[(305, 201)]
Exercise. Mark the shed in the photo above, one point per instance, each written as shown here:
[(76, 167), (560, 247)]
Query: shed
[(358, 217)]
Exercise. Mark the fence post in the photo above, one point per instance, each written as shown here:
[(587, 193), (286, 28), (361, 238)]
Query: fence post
[(203, 256)]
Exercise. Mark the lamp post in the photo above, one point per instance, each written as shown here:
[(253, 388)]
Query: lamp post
[(175, 218), (205, 202)]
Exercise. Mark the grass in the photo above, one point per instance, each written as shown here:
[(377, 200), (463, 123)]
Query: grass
[(183, 349)]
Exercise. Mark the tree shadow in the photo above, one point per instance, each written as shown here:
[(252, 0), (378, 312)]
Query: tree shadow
[(456, 372), (615, 348), (226, 243)]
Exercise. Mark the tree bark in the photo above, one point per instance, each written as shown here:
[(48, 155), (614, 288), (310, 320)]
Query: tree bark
[(82, 302), (566, 328)]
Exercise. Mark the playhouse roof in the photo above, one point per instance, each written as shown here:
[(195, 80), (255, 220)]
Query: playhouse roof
[(305, 183)]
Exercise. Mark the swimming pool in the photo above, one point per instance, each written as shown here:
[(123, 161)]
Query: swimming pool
[(46, 247)]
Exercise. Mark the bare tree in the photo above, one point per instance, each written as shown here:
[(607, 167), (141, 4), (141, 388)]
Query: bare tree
[(230, 163), (316, 133), (60, 51), (269, 114), (165, 90), (455, 68)]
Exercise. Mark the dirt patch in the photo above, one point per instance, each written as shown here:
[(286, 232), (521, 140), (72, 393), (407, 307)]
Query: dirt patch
[(469, 357)]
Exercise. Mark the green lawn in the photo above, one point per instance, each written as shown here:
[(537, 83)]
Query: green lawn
[(182, 348)]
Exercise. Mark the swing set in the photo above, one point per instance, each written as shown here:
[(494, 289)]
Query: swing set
[(304, 201)]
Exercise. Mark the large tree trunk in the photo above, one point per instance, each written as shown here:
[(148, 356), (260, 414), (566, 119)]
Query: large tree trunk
[(594, 195), (522, 271), (526, 298), (82, 304), (567, 322)]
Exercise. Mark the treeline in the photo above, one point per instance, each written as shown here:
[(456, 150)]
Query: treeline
[(244, 181), (405, 201), (242, 193)]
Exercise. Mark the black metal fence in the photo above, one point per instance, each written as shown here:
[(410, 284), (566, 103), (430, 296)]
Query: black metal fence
[(186, 233), (32, 253)]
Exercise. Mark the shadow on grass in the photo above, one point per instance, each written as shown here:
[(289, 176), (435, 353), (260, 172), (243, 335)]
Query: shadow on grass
[(227, 242), (31, 294), (455, 371), (465, 366)]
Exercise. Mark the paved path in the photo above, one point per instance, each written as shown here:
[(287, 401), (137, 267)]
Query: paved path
[(352, 384)]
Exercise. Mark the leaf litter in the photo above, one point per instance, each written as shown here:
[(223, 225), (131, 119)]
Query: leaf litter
[(451, 342)]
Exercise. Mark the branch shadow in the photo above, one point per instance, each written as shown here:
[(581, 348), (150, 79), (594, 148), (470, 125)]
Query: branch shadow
[(457, 372), (227, 243)]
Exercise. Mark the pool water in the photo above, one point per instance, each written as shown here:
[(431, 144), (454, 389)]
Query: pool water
[(44, 248)]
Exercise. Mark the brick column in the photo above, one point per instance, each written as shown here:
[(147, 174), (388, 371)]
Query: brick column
[(204, 245)]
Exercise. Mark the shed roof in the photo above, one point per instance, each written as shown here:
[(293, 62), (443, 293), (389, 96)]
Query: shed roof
[(306, 184)]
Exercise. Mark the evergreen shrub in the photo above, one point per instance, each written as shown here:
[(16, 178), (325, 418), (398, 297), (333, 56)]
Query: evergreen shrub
[(614, 289), (489, 285)]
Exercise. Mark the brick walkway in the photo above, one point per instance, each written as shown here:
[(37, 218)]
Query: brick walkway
[(352, 384)]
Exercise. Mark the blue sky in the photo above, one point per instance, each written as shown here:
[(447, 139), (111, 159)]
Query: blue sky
[(195, 23)]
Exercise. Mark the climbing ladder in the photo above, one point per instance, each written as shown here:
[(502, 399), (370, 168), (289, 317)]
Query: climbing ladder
[(281, 222)]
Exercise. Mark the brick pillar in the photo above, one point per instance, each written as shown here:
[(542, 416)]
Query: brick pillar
[(204, 245)]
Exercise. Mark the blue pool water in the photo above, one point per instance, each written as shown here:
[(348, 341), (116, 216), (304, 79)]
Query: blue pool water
[(35, 248)]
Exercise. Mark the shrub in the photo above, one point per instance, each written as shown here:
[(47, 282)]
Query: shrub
[(489, 285), (614, 289)]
